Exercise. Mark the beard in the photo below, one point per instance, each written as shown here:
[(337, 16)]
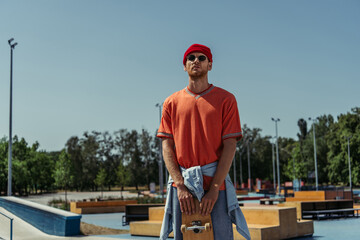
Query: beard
[(197, 75)]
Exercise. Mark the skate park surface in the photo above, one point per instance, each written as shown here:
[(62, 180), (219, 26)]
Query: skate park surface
[(323, 229)]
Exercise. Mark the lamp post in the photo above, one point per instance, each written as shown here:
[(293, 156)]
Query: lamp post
[(273, 162), (348, 142), (249, 170), (240, 167), (240, 180), (161, 171), (248, 157), (234, 167), (12, 46), (315, 158), (276, 120)]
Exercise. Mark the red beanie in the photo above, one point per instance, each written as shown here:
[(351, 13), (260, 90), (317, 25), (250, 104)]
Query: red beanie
[(198, 48)]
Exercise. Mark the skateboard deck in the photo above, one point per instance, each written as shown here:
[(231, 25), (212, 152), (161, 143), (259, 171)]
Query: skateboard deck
[(197, 226)]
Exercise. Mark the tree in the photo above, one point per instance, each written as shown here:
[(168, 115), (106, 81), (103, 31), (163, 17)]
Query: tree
[(260, 155), (90, 159), (32, 169), (133, 157), (305, 145), (74, 149), (100, 180), (347, 125), (286, 147), (123, 177), (148, 156), (295, 167), (302, 124), (62, 174), (109, 157), (40, 166), (3, 165), (322, 128), (21, 173)]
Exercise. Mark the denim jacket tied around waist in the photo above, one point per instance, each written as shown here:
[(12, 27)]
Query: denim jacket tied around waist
[(193, 180)]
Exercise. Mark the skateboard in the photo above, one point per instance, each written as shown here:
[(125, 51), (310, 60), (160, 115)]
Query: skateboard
[(197, 226)]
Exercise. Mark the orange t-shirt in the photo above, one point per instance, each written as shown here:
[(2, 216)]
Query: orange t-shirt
[(198, 124)]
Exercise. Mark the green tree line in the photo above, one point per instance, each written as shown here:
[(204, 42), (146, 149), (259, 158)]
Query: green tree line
[(103, 160), (91, 162), (296, 156)]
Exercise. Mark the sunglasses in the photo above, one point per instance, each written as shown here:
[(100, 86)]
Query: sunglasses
[(192, 58)]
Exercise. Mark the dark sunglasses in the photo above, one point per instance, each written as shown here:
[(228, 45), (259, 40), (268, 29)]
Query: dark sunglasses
[(192, 58)]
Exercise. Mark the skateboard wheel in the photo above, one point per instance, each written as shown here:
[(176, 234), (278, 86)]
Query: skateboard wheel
[(183, 228), (207, 227)]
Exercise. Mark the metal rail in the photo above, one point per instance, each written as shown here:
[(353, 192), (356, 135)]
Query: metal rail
[(11, 225)]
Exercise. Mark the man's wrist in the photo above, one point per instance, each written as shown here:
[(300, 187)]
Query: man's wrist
[(215, 187), (180, 184)]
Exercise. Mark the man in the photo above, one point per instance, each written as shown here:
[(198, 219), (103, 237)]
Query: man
[(199, 128)]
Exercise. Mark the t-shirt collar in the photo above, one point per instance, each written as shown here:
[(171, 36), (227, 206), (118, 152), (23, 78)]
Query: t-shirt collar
[(197, 95)]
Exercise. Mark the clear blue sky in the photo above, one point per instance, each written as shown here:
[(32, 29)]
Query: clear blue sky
[(103, 65)]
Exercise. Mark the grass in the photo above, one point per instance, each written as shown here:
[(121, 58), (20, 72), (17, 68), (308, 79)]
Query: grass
[(59, 203)]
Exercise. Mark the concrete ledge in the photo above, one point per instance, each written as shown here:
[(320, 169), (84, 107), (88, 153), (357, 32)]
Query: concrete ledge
[(47, 219)]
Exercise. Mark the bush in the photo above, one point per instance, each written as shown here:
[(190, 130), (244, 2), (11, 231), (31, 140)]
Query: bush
[(59, 203)]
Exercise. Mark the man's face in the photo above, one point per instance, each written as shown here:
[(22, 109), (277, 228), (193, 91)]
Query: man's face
[(195, 67)]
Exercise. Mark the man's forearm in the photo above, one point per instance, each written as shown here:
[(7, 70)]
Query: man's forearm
[(185, 198), (170, 161), (224, 163), (227, 155)]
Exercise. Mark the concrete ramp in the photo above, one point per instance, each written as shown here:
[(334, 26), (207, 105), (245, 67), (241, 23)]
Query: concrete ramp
[(25, 231), (21, 229), (50, 220)]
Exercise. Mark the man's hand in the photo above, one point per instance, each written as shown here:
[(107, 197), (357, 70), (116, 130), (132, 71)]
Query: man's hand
[(208, 201), (186, 200), (227, 155)]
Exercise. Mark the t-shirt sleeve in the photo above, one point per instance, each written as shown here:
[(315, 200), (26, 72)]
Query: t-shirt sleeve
[(231, 120), (165, 129)]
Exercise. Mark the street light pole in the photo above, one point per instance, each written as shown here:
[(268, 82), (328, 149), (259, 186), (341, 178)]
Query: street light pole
[(273, 162), (247, 142), (240, 168), (12, 46), (315, 157), (277, 152), (348, 141), (161, 168), (234, 166), (249, 170), (241, 177)]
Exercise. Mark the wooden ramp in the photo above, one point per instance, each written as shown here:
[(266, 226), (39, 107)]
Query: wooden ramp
[(151, 227), (100, 207), (320, 196), (271, 223), (265, 223)]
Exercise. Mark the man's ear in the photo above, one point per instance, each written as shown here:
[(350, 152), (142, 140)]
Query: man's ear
[(210, 66)]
